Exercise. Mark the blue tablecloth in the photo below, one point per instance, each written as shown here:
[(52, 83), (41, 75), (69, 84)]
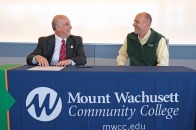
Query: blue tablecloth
[(103, 98)]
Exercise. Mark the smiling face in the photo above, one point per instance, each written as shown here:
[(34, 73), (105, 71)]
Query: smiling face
[(62, 26), (141, 24)]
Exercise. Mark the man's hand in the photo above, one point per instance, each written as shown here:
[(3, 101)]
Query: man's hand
[(64, 62), (42, 61)]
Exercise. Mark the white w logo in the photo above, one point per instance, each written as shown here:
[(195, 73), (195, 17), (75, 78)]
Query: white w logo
[(43, 104)]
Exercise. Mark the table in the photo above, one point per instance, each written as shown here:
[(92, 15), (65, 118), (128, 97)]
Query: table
[(103, 98), (6, 100)]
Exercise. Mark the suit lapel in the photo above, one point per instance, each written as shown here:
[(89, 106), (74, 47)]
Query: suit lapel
[(50, 47), (69, 46)]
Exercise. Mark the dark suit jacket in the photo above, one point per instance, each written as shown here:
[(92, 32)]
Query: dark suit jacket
[(46, 47)]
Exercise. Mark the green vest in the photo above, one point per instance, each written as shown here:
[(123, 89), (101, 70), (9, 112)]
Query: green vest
[(143, 55)]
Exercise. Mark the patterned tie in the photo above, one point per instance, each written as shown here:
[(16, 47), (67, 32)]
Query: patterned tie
[(62, 51)]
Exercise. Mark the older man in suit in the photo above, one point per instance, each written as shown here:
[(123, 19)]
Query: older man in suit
[(50, 50)]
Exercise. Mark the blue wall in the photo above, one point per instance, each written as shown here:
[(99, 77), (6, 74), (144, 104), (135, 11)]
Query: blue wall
[(97, 54)]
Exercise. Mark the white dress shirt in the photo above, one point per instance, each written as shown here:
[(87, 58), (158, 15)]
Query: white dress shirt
[(56, 54)]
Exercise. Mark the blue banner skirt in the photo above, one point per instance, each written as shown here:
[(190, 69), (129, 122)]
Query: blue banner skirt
[(103, 98)]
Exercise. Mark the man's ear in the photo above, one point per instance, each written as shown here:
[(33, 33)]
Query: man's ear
[(57, 28)]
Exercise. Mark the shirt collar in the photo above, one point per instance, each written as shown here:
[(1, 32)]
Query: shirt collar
[(146, 37), (58, 38)]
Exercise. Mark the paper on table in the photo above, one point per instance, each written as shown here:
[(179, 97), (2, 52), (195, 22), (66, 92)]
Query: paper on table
[(50, 68)]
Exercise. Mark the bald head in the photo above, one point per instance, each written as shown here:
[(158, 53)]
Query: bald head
[(57, 20), (142, 24), (146, 17), (61, 26)]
